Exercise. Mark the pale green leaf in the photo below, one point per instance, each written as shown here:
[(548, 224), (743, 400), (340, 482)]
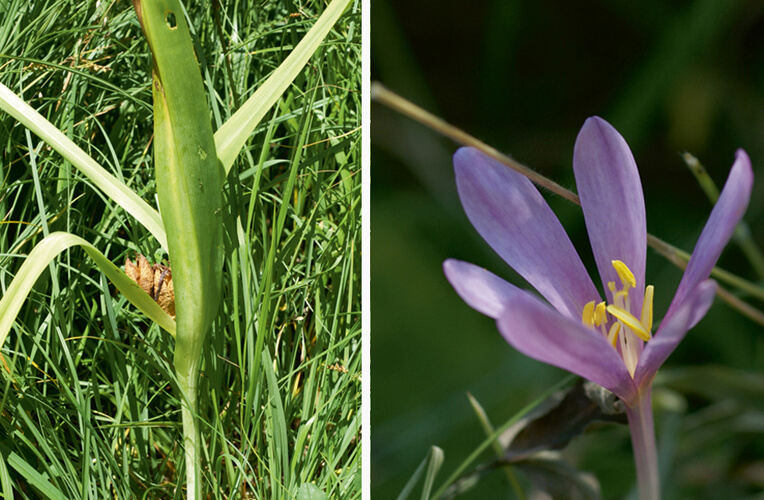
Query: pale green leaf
[(429, 469), (5, 479), (40, 482), (309, 491)]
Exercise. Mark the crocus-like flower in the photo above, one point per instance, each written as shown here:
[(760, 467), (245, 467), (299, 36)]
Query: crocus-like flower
[(609, 342)]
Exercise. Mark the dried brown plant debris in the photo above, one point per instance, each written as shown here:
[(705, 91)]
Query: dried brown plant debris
[(155, 280)]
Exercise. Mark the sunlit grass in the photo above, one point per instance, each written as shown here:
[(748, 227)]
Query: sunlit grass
[(87, 403)]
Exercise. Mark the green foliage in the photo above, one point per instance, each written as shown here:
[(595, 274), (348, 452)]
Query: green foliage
[(87, 408)]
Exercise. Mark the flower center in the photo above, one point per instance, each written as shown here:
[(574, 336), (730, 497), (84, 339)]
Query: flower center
[(625, 326)]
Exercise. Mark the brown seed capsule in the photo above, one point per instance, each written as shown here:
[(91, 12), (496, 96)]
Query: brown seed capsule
[(155, 280), (141, 272), (164, 292)]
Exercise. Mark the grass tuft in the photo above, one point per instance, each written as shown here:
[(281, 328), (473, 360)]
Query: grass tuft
[(87, 407)]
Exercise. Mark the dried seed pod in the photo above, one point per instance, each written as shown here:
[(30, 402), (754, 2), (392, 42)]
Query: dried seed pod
[(155, 280), (131, 270), (164, 292), (141, 272)]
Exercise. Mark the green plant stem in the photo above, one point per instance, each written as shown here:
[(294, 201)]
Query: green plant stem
[(381, 94), (187, 383)]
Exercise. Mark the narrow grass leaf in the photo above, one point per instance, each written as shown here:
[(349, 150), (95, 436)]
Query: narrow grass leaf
[(232, 136), (435, 454), (433, 467), (110, 185), (498, 432), (498, 449), (5, 479), (37, 262), (39, 482), (279, 444)]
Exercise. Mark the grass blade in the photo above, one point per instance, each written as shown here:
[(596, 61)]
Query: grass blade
[(38, 481)]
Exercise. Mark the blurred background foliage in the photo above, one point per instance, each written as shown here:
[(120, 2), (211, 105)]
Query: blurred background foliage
[(671, 76)]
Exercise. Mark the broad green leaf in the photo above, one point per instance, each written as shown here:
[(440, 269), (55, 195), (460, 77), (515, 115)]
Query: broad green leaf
[(309, 491), (190, 189), (110, 185), (232, 136), (37, 262), (189, 177)]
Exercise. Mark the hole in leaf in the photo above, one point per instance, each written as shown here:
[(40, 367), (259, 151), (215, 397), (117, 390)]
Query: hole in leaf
[(171, 21)]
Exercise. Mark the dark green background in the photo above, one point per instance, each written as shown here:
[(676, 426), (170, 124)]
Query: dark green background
[(523, 76)]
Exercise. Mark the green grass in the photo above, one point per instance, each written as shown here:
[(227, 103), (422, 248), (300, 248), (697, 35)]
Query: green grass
[(87, 401)]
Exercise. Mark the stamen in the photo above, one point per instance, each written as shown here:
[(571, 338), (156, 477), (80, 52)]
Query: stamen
[(647, 308), (627, 277), (628, 353), (619, 299), (587, 318), (612, 335), (629, 320), (600, 313)]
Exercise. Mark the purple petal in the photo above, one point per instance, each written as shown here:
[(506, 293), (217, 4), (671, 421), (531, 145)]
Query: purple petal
[(672, 330), (480, 289), (513, 217), (726, 214), (611, 198), (537, 331)]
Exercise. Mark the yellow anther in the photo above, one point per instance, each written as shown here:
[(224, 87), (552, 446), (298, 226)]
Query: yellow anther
[(612, 335), (600, 314), (630, 321), (627, 277), (587, 318), (611, 286), (647, 308)]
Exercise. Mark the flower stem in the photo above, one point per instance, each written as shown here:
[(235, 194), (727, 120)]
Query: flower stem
[(643, 443), (187, 384)]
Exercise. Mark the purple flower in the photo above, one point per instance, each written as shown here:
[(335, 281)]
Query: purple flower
[(607, 341)]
